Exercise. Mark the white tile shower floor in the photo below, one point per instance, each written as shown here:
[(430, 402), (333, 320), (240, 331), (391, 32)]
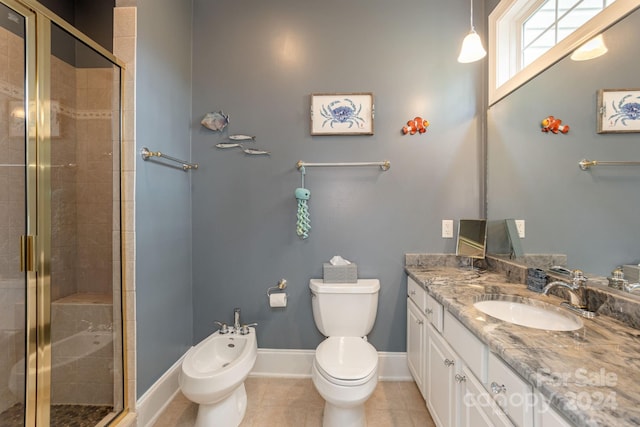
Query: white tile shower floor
[(296, 403)]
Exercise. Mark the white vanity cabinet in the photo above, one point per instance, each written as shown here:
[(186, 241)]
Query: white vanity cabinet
[(546, 416), (513, 394), (416, 333), (455, 395), (434, 312), (463, 383), (441, 379), (477, 407)]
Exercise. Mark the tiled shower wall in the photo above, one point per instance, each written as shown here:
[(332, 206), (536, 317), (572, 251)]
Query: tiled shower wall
[(64, 171), (81, 180)]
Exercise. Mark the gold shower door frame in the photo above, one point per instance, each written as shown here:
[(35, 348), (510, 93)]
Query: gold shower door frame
[(36, 247)]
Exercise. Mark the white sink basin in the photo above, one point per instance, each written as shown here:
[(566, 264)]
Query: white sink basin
[(528, 312)]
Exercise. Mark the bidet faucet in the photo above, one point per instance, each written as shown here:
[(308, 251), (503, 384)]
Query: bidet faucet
[(224, 329), (577, 289), (236, 319)]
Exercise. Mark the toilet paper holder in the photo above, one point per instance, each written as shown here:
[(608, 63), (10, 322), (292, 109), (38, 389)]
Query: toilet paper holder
[(282, 284)]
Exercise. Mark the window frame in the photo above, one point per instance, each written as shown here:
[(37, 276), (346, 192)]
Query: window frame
[(504, 39)]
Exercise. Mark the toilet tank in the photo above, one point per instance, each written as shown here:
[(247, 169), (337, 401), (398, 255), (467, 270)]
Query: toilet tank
[(344, 309)]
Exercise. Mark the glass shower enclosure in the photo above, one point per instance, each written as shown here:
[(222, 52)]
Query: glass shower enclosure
[(61, 316)]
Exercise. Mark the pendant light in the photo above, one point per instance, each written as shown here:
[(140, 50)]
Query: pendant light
[(472, 49)]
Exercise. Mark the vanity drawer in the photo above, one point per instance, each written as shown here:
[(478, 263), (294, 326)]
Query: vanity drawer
[(417, 294), (435, 313), (513, 394), (473, 351)]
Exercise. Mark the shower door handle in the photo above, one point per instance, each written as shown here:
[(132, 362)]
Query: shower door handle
[(27, 254)]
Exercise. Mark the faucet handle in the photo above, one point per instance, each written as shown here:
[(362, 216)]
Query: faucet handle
[(579, 278), (245, 328), (224, 329)]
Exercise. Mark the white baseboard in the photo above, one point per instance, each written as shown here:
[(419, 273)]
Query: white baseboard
[(392, 366), (151, 404), (283, 363)]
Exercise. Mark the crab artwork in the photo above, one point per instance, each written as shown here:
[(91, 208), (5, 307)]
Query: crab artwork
[(624, 111), (342, 111)]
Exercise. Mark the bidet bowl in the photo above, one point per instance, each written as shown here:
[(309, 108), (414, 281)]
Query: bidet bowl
[(527, 312), (217, 366)]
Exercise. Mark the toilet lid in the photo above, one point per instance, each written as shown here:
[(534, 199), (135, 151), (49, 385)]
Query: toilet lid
[(346, 358)]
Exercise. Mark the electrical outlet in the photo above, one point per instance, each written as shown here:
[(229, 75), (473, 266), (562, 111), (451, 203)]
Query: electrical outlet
[(520, 227), (447, 229)]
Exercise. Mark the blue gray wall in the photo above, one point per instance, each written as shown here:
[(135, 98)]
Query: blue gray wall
[(590, 216), (259, 62), (164, 311)]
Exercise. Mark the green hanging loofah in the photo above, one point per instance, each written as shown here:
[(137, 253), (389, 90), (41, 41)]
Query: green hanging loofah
[(303, 225)]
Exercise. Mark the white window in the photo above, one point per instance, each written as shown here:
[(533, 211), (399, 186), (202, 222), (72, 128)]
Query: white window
[(527, 36), (553, 20)]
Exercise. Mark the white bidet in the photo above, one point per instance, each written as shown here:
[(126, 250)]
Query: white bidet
[(213, 374)]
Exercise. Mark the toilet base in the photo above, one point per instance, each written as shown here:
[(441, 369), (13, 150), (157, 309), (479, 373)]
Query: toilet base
[(226, 413), (335, 416)]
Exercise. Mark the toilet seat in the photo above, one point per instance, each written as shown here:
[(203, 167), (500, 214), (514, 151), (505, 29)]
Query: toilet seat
[(348, 361)]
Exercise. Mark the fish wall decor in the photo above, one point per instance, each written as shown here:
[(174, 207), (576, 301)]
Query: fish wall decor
[(215, 121)]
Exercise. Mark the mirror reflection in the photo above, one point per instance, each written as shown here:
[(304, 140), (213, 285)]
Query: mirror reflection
[(589, 215), (472, 236)]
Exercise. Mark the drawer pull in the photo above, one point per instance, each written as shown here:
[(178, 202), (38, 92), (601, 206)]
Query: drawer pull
[(428, 310), (412, 292), (419, 321), (448, 362), (460, 378), (497, 388)]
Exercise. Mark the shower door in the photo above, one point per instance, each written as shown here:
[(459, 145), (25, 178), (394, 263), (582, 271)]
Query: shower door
[(18, 213), (61, 320)]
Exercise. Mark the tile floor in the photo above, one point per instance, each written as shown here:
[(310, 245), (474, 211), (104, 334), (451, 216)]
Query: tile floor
[(296, 403)]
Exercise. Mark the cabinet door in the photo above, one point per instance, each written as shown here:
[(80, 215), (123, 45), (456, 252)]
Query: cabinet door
[(477, 408), (434, 312), (513, 394), (416, 340), (440, 379), (545, 415), (417, 294)]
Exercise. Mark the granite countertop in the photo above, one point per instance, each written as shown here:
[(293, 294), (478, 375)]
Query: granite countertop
[(591, 375)]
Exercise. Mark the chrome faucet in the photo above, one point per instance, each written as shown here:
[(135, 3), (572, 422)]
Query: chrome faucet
[(631, 287), (577, 293), (617, 281), (236, 319)]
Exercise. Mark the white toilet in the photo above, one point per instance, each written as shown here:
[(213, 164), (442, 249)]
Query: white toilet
[(345, 367)]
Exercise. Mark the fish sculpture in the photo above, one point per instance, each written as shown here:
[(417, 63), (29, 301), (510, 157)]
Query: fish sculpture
[(215, 121), (242, 138), (252, 151)]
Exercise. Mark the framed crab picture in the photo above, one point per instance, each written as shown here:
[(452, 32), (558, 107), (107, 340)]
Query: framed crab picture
[(342, 113), (618, 110)]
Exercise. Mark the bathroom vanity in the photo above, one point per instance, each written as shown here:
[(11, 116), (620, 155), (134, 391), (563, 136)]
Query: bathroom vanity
[(474, 369)]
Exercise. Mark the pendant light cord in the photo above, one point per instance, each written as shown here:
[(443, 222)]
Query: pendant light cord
[(471, 17)]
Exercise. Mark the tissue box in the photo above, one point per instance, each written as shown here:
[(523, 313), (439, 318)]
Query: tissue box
[(340, 273), (631, 273)]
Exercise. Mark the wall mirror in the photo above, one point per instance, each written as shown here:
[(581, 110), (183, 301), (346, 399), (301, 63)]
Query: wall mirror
[(589, 215)]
